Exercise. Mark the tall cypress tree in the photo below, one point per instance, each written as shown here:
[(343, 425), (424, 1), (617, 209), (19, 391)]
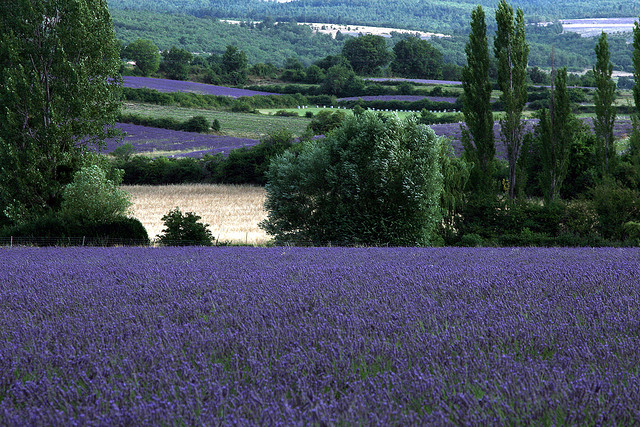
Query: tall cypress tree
[(477, 136), (512, 52), (634, 141), (555, 131), (636, 66), (603, 100)]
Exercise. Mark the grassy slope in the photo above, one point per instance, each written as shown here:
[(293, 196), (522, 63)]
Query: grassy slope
[(242, 125)]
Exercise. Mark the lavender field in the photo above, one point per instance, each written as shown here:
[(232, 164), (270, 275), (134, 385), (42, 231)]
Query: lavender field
[(409, 98), (320, 336), (175, 143), (621, 129), (166, 85)]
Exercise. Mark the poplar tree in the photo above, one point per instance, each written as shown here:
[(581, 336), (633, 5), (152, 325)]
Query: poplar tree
[(634, 142), (555, 131), (477, 136), (636, 66), (59, 68), (603, 99), (511, 52)]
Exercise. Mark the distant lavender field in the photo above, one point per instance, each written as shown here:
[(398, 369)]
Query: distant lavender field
[(421, 81), (409, 98), (147, 140), (165, 85), (319, 336), (453, 131)]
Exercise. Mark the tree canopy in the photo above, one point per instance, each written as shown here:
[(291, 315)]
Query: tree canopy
[(367, 54), (375, 180), (60, 74), (416, 58)]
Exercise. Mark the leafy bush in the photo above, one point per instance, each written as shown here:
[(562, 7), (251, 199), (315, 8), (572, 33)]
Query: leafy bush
[(184, 230), (375, 180), (57, 229), (325, 121), (94, 197), (215, 125), (196, 124), (615, 206)]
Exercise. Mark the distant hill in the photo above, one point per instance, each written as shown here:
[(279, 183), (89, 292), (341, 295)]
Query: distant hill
[(442, 16)]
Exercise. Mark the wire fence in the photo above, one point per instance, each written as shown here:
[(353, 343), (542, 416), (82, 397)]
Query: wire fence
[(113, 241), (95, 242)]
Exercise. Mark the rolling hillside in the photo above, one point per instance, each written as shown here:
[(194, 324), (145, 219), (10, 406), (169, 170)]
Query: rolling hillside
[(432, 15)]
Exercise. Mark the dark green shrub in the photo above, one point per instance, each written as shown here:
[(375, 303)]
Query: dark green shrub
[(57, 229), (285, 113), (472, 240), (325, 121), (215, 125), (615, 206), (184, 230), (196, 124)]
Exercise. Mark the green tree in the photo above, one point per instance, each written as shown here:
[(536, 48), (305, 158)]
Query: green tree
[(375, 180), (234, 66), (367, 54), (59, 67), (603, 99), (416, 58), (555, 131), (93, 197), (634, 140), (342, 81), (184, 230), (176, 63), (511, 51), (636, 66), (477, 136), (145, 54)]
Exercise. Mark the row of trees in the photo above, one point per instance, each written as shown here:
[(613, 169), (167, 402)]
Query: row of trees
[(178, 64), (352, 186), (557, 126)]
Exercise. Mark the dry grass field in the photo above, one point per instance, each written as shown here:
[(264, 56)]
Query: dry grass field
[(232, 211)]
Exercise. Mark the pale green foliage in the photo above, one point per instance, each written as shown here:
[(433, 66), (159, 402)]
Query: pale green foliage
[(93, 197), (372, 181)]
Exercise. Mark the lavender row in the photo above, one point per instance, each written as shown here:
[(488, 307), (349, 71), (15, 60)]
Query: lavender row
[(166, 85), (148, 139), (192, 144), (453, 131), (419, 81), (409, 98), (299, 336)]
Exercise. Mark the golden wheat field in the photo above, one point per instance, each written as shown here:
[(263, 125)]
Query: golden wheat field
[(232, 211)]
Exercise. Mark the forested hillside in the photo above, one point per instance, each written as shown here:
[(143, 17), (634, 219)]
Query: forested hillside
[(274, 43), (265, 44), (433, 15)]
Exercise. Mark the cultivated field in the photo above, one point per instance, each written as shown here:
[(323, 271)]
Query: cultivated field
[(232, 211), (242, 125), (319, 336)]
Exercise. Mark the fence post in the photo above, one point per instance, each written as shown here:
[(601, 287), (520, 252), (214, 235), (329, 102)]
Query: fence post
[(83, 240), (11, 244)]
